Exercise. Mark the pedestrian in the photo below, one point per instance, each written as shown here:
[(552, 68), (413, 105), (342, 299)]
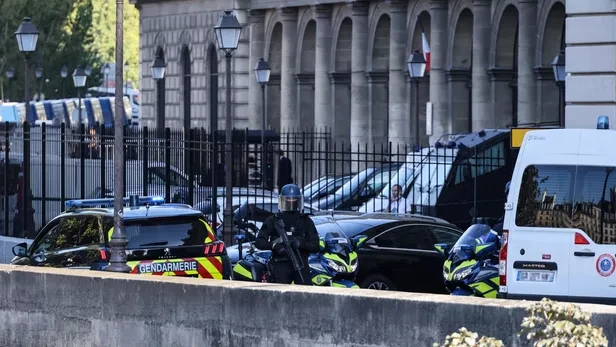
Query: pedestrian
[(397, 204), (301, 232), (285, 169)]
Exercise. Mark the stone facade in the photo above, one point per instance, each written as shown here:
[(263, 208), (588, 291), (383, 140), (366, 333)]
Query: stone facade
[(591, 62), (341, 65)]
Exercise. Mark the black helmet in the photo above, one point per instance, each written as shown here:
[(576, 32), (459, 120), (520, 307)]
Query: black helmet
[(290, 199)]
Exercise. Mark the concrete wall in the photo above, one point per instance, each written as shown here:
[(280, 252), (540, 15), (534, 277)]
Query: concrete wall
[(83, 308), (591, 62), (6, 247)]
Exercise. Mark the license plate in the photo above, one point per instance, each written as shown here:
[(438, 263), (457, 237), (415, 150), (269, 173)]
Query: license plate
[(535, 276)]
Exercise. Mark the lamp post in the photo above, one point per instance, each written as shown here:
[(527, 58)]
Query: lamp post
[(64, 75), (106, 72), (117, 242), (27, 37), (228, 32), (158, 73), (558, 66), (262, 74), (10, 74), (79, 79), (38, 73), (126, 66), (417, 68)]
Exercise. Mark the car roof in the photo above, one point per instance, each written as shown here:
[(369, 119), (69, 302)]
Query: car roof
[(141, 212), (375, 219)]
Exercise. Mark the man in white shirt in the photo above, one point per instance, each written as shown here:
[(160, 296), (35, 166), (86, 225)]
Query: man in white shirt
[(397, 204)]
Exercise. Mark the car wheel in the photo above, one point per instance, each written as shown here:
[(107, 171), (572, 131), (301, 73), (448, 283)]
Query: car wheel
[(378, 282)]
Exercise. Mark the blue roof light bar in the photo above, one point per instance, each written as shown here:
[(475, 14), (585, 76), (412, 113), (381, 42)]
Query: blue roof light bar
[(88, 203)]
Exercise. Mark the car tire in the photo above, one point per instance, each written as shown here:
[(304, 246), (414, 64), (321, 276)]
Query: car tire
[(377, 282)]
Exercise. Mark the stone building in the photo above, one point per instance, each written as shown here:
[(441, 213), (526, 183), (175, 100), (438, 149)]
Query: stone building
[(341, 65)]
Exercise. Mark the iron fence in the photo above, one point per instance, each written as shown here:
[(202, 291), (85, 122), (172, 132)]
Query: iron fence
[(43, 167)]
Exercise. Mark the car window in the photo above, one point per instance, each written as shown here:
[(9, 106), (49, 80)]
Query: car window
[(407, 237), (378, 181), (446, 236), (168, 232), (70, 232), (569, 196)]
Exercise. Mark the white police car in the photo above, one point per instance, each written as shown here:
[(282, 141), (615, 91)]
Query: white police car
[(559, 237)]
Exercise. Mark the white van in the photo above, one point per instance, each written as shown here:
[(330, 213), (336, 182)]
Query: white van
[(559, 231)]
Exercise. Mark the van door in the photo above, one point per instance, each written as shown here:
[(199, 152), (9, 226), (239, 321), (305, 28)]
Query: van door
[(592, 255)]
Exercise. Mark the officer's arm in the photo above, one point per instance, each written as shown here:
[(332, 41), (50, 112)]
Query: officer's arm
[(263, 238), (312, 240)]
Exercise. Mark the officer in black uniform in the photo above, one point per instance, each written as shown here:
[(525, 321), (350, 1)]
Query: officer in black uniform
[(301, 232)]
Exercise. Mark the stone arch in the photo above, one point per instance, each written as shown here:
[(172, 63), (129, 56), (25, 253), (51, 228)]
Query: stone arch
[(551, 41), (378, 46), (418, 13), (274, 58), (273, 23), (342, 24), (461, 36), (210, 40), (306, 43), (504, 38), (185, 40), (159, 42)]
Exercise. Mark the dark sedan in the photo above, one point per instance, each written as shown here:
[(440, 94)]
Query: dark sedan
[(399, 253)]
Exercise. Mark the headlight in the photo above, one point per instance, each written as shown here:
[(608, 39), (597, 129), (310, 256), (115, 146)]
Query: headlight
[(336, 266), (462, 274)]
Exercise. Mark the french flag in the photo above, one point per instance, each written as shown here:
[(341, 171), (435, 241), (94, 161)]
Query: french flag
[(425, 46)]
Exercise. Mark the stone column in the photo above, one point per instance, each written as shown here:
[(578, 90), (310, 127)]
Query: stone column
[(359, 85), (439, 89), (399, 117), (527, 90), (481, 93), (289, 119), (323, 113), (257, 36)]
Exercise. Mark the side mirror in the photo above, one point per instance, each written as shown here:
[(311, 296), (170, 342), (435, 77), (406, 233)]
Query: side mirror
[(358, 241), (20, 249), (483, 249), (442, 249)]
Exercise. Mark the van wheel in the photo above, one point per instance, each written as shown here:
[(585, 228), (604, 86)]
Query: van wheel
[(378, 282)]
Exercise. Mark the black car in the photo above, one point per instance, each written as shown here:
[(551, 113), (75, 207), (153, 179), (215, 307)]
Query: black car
[(163, 239), (399, 253)]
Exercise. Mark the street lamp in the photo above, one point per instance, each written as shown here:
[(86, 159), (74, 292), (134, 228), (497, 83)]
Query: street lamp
[(79, 79), (158, 74), (262, 74), (558, 66), (10, 74), (64, 75), (228, 32), (106, 72), (417, 68), (27, 37), (38, 73)]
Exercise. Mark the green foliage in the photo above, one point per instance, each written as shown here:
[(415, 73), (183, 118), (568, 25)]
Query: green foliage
[(465, 338), (72, 32), (548, 324)]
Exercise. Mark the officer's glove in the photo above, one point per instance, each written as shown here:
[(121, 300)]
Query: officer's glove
[(295, 244), (279, 249)]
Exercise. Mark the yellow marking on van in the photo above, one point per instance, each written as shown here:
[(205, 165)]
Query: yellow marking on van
[(517, 136)]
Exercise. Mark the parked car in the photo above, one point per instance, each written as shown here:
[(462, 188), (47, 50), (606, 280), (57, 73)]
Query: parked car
[(399, 253), (324, 186), (362, 187)]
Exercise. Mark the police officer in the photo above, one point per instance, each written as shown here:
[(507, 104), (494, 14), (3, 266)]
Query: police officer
[(301, 232)]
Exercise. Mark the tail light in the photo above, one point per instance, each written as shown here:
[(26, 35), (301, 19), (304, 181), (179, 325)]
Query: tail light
[(502, 258), (103, 254), (580, 239), (214, 248)]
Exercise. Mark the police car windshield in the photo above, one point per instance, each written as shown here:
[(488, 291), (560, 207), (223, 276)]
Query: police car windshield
[(167, 232)]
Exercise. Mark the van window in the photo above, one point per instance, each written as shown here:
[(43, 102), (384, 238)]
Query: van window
[(569, 196)]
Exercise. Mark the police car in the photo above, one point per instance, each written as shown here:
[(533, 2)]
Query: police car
[(559, 231), (163, 239)]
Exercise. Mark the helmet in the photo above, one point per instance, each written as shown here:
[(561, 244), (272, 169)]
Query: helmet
[(290, 199)]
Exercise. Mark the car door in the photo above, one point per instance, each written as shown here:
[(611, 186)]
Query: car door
[(73, 242), (407, 257)]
